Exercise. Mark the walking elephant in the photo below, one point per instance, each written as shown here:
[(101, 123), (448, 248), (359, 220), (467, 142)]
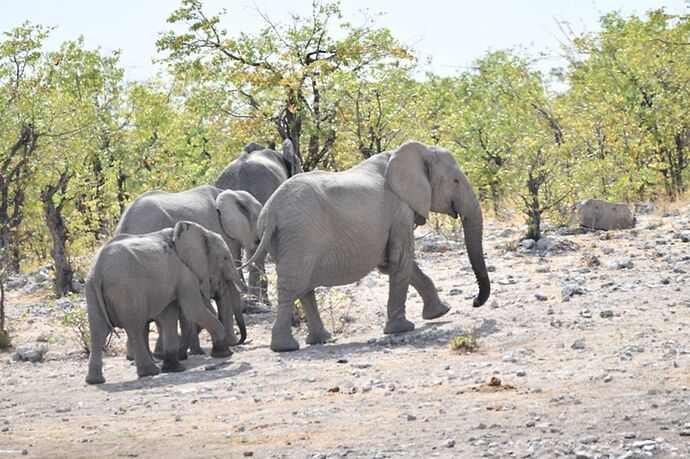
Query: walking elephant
[(326, 229), (259, 171), (137, 278), (231, 214)]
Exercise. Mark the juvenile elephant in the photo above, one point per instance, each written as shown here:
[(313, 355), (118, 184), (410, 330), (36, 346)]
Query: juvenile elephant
[(326, 229), (136, 278), (259, 171), (231, 214)]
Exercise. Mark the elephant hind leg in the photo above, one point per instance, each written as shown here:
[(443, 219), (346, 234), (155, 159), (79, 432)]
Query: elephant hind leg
[(171, 340), (99, 330), (281, 333), (317, 332), (142, 356)]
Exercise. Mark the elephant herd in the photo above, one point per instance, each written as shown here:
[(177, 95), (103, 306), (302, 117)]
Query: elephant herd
[(174, 252)]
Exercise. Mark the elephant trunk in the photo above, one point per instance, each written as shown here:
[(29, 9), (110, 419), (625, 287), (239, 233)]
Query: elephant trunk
[(472, 225), (236, 298)]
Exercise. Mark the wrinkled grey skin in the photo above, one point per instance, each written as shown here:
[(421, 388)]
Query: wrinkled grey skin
[(231, 214), (259, 171), (598, 214), (137, 278), (326, 229)]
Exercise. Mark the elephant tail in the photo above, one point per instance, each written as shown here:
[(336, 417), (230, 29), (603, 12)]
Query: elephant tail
[(98, 289), (266, 237)]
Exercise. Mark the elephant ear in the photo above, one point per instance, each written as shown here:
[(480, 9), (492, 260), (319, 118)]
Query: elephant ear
[(292, 162), (407, 176), (238, 212), (191, 245)]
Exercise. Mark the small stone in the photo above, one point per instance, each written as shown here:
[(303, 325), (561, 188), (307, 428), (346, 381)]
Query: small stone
[(248, 453), (528, 244), (63, 409), (178, 418), (543, 269), (521, 373), (685, 236), (25, 452), (530, 423), (540, 296), (630, 435), (211, 367), (449, 443), (411, 417), (45, 337), (361, 365), (481, 426), (685, 433), (589, 439), (583, 455), (608, 378), (455, 291), (578, 344), (586, 313), (606, 313), (30, 352)]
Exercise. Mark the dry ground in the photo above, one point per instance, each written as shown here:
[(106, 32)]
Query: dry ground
[(590, 338)]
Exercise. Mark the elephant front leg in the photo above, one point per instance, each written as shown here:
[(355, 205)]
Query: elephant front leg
[(433, 306), (171, 340), (317, 332), (400, 269), (196, 308)]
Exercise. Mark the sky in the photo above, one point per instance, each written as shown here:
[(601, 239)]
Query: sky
[(452, 34)]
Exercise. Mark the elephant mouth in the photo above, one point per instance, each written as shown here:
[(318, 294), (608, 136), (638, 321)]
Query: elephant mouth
[(454, 212)]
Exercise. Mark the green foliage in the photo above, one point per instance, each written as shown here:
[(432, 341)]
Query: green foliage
[(77, 321), (78, 143), (467, 342)]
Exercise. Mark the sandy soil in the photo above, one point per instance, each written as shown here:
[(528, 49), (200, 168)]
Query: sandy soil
[(589, 336)]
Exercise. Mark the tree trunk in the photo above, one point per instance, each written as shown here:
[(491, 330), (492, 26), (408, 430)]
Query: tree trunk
[(58, 233), (533, 207)]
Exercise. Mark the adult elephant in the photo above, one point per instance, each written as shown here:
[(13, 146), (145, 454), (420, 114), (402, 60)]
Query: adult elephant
[(231, 214), (136, 278), (326, 229), (259, 171)]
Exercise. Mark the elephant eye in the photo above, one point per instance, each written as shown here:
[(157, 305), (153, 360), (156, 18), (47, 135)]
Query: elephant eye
[(456, 180)]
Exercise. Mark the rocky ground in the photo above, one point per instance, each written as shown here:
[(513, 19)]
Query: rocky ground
[(584, 351)]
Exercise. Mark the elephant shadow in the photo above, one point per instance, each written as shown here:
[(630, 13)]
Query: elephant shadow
[(221, 369), (427, 336)]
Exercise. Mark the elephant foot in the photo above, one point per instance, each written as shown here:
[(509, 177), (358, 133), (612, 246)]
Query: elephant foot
[(95, 378), (220, 352), (231, 339), (401, 325), (319, 338), (151, 370), (196, 350), (172, 366), (129, 357), (284, 344), (434, 311)]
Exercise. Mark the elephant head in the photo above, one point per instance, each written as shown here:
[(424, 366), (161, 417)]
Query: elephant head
[(428, 179), (209, 258), (292, 162), (253, 146), (238, 212)]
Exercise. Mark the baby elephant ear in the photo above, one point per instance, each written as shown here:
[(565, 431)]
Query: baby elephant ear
[(191, 245), (407, 177)]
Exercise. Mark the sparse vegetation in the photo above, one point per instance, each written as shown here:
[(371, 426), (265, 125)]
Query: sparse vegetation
[(337, 303), (465, 342), (77, 321)]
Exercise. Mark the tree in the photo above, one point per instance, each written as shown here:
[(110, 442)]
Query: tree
[(285, 75)]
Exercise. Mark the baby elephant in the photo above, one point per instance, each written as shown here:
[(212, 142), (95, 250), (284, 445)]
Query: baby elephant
[(136, 278)]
